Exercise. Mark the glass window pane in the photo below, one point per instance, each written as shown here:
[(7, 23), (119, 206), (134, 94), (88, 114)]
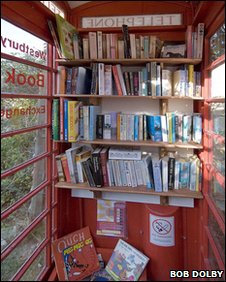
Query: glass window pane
[(217, 234), (12, 263), (218, 82), (217, 194), (217, 113), (214, 264), (217, 44), (36, 267), (21, 183), (21, 78), (18, 149), (19, 43), (19, 220), (219, 156), (22, 113)]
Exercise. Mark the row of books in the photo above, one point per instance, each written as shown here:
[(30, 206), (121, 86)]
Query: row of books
[(100, 45), (150, 80), (128, 167), (76, 121)]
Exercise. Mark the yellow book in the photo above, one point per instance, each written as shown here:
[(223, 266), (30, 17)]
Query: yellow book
[(190, 80), (73, 120)]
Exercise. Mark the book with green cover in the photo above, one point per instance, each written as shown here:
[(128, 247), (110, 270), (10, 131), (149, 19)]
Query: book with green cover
[(65, 32)]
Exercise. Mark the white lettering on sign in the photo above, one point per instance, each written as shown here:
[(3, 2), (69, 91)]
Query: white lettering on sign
[(140, 20), (162, 231)]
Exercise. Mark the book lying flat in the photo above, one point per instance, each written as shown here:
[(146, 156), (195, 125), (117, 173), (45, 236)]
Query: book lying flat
[(126, 262)]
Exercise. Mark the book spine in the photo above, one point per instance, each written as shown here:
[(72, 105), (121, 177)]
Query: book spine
[(99, 126), (55, 119), (99, 45), (117, 81), (122, 82), (171, 173), (101, 79), (65, 167), (60, 171), (125, 32), (97, 169), (157, 175), (103, 162), (66, 120)]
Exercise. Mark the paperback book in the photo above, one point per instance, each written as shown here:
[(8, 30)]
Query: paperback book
[(111, 218), (126, 262), (75, 255)]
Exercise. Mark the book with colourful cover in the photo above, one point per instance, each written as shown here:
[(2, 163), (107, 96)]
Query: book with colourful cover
[(126, 262), (111, 218), (65, 31), (75, 255)]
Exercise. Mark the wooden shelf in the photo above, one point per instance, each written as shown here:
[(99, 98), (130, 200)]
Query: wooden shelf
[(132, 62), (127, 97), (184, 193), (149, 143)]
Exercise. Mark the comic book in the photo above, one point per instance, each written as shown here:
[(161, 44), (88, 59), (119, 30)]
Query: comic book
[(75, 256), (126, 262)]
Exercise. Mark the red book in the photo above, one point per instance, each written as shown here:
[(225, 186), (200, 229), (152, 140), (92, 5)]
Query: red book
[(65, 167), (75, 256), (188, 40), (117, 81), (103, 162)]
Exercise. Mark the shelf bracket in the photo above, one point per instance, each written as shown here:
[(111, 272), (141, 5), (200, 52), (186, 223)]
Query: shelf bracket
[(164, 200), (97, 194)]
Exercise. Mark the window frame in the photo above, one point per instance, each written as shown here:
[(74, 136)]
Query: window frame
[(50, 211)]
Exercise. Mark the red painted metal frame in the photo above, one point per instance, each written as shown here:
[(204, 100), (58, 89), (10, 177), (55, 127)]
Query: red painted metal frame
[(207, 237), (47, 214)]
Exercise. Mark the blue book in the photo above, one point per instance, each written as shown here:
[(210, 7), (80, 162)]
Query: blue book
[(93, 112), (156, 165), (136, 127), (184, 175), (113, 125), (173, 128), (66, 120), (155, 128), (197, 128)]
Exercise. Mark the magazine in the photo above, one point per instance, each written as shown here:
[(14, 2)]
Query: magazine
[(126, 262), (75, 256)]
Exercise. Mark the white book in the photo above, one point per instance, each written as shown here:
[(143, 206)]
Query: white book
[(164, 171), (108, 45), (132, 174), (164, 128), (141, 46), (179, 83), (200, 38), (108, 79), (70, 153), (138, 171), (110, 173), (85, 45), (121, 79), (86, 122), (107, 126), (122, 170), (93, 45), (101, 79), (127, 171), (167, 81), (99, 45), (133, 45), (125, 153), (194, 164)]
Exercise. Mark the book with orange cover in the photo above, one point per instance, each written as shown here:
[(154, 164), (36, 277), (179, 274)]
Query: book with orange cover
[(75, 255)]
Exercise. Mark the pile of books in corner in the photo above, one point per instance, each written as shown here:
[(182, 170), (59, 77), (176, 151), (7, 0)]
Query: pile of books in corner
[(76, 259)]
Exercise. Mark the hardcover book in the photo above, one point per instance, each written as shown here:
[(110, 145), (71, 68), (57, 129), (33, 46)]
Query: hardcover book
[(126, 262), (111, 218), (75, 255), (65, 31)]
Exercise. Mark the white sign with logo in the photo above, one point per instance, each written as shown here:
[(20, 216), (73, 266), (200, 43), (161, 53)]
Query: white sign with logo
[(139, 20), (162, 231)]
